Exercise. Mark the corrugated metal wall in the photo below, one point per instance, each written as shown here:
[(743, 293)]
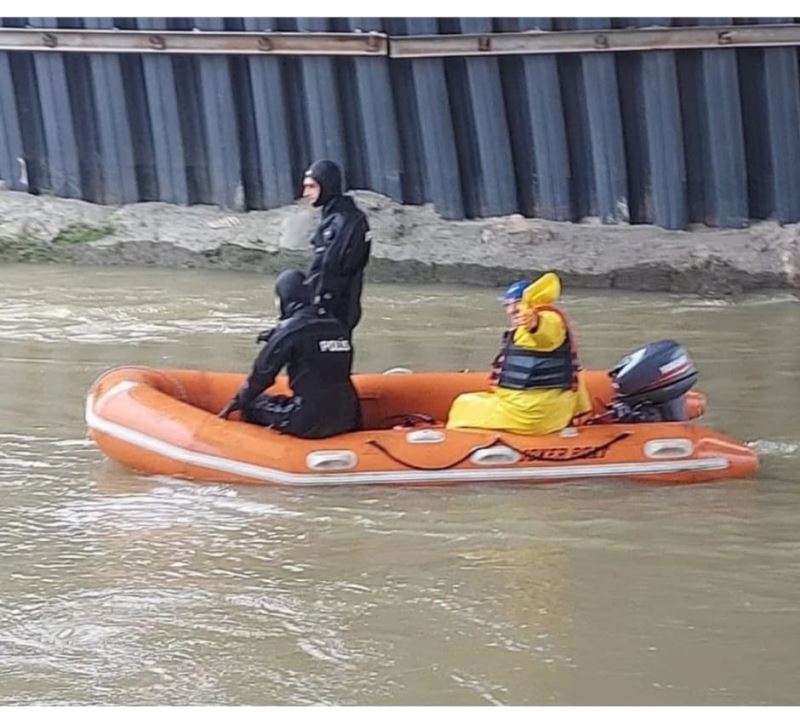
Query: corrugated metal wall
[(664, 137)]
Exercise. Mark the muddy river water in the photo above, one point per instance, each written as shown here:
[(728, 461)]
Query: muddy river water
[(122, 589)]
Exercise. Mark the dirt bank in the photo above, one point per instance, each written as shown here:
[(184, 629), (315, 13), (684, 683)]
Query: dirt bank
[(410, 244)]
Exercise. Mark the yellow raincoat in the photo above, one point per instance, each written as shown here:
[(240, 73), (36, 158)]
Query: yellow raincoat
[(531, 412)]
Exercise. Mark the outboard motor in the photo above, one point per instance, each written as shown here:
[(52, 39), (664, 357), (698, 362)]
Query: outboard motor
[(651, 384)]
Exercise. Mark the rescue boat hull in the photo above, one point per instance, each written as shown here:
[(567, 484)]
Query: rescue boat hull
[(164, 422)]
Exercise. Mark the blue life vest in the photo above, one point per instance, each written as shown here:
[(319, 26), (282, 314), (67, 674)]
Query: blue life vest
[(524, 369)]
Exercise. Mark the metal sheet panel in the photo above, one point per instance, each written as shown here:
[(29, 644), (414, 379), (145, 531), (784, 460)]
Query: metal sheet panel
[(164, 119), (482, 130), (579, 143), (115, 143), (605, 131), (691, 89), (13, 171), (548, 134), (664, 197), (189, 89), (321, 98), (438, 140), (632, 91), (24, 84), (409, 137), (725, 169), (221, 131), (755, 123), (782, 86), (381, 147), (665, 140), (273, 145), (62, 171)]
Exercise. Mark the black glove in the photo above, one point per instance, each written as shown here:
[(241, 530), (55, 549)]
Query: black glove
[(228, 409), (264, 335)]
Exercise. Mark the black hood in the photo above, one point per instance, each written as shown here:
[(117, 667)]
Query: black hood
[(329, 176), (292, 291)]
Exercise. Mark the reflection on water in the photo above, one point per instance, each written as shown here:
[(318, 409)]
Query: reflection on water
[(120, 589)]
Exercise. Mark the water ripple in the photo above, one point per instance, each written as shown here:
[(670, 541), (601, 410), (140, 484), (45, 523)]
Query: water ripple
[(773, 447)]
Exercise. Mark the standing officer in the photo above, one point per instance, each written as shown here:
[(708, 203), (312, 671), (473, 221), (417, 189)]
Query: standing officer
[(340, 244)]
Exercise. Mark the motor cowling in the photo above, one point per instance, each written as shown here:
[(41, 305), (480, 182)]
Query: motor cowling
[(651, 383)]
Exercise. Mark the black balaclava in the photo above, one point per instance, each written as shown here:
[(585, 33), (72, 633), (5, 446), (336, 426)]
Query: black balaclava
[(292, 291), (329, 176)]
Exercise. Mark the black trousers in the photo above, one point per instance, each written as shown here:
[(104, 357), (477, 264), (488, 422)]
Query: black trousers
[(273, 411), (290, 414)]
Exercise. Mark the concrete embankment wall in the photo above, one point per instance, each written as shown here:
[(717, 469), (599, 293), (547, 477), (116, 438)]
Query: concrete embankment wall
[(410, 244)]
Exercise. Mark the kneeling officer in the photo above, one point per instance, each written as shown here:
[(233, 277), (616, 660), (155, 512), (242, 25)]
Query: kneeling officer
[(316, 350)]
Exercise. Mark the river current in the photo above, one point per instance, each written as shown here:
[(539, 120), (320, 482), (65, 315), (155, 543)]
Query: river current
[(122, 589)]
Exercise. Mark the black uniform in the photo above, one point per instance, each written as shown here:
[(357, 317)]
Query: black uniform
[(341, 248), (316, 350)]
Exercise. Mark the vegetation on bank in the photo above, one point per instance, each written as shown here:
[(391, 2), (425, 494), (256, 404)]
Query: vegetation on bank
[(29, 245), (76, 233)]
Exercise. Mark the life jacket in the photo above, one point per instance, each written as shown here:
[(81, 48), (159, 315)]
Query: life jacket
[(525, 369)]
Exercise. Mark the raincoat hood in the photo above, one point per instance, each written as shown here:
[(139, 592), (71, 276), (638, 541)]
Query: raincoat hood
[(292, 291), (545, 290), (329, 176)]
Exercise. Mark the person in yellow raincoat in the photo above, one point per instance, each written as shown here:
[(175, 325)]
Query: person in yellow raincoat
[(538, 384)]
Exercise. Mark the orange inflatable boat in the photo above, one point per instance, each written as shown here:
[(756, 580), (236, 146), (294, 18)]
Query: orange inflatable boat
[(164, 422)]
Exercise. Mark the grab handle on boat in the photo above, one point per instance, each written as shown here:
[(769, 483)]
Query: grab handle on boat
[(497, 455), (326, 460), (665, 449), (396, 371), (425, 436)]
